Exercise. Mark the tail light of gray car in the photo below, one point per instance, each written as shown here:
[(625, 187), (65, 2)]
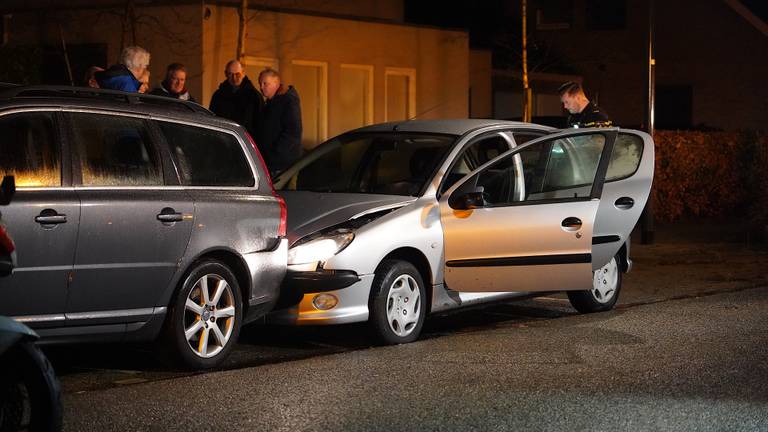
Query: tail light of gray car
[(282, 230)]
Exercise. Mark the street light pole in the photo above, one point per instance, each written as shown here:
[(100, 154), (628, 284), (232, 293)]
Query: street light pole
[(646, 219)]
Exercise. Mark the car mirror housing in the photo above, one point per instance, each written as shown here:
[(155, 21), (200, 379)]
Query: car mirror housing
[(466, 201), (7, 189)]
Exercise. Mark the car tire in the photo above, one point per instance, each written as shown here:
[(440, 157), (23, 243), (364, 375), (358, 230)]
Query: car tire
[(606, 286), (203, 328), (30, 394), (398, 303)]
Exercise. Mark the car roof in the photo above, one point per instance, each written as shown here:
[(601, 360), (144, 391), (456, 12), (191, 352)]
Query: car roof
[(449, 126), (15, 96)]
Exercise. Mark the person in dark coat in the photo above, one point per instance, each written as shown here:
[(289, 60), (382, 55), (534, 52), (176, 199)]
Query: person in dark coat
[(279, 138), (237, 99), (174, 84), (581, 112), (125, 75)]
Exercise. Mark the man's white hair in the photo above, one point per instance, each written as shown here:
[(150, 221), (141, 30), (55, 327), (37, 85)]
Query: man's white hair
[(135, 57)]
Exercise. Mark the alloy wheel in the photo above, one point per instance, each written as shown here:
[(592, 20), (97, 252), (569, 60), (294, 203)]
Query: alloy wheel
[(209, 315)]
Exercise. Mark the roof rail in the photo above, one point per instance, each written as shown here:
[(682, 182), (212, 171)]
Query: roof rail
[(18, 91)]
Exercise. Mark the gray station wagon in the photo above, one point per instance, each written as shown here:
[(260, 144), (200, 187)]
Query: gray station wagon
[(137, 217)]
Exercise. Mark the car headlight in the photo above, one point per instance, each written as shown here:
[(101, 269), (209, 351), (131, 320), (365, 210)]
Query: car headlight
[(321, 248)]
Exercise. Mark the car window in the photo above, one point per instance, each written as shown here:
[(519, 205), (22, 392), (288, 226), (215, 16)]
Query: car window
[(29, 149), (207, 157), (625, 159), (473, 156), (392, 164), (524, 137), (115, 151), (553, 169)]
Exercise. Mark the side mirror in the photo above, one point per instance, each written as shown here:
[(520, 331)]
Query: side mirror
[(467, 201), (6, 265), (7, 189)]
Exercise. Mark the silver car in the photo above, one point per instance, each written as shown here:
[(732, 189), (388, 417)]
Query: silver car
[(391, 222)]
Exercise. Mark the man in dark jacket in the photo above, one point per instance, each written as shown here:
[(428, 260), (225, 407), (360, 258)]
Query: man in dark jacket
[(125, 75), (174, 84), (581, 112), (279, 137), (237, 99)]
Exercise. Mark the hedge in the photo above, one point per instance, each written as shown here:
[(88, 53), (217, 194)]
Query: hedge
[(711, 174)]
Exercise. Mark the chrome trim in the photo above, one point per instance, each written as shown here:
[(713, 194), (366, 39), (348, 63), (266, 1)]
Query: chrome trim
[(122, 265), (38, 269), (39, 318), (175, 188), (111, 314), (44, 188), (31, 109)]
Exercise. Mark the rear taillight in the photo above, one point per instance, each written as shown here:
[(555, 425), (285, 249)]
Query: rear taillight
[(6, 242), (283, 228)]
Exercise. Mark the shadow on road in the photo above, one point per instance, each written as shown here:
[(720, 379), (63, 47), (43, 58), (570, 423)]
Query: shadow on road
[(91, 367)]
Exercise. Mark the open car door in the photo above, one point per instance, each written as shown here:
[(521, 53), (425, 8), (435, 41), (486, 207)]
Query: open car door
[(524, 220)]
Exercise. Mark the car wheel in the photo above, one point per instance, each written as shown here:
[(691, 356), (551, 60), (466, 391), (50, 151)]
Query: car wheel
[(30, 394), (397, 304), (206, 315), (606, 285)]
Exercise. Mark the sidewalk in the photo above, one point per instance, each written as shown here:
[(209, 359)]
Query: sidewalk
[(693, 258)]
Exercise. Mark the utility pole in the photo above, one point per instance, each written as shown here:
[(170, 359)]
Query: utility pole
[(646, 218), (526, 90)]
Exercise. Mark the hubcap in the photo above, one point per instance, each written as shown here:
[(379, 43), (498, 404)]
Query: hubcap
[(403, 305), (209, 315), (605, 282)]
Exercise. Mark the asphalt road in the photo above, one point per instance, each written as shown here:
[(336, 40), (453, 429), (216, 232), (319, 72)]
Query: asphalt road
[(683, 351), (698, 363)]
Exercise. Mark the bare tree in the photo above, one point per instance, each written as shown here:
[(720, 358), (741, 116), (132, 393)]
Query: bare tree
[(241, 29), (526, 89)]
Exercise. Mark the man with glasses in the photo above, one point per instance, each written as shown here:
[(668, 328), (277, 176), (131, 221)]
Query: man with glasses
[(237, 99)]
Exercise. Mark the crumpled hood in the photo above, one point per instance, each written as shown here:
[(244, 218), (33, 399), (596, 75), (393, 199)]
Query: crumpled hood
[(309, 212)]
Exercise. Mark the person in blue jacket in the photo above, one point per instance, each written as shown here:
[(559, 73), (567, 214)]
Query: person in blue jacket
[(125, 75)]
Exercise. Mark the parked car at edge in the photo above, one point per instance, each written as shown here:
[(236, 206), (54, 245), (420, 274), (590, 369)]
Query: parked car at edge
[(391, 222), (137, 216)]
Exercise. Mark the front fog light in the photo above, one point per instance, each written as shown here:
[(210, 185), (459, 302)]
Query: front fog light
[(325, 301)]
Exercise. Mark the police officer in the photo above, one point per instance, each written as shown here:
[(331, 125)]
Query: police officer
[(581, 112)]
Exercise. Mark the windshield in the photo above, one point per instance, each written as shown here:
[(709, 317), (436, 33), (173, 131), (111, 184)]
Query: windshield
[(392, 164)]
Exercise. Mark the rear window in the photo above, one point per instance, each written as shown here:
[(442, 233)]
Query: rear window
[(207, 157), (626, 156)]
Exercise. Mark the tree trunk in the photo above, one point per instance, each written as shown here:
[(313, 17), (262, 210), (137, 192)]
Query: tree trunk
[(526, 89), (241, 29)]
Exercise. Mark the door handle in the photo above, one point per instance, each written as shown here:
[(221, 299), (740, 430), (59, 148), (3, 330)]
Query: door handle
[(168, 215), (624, 203), (571, 224), (50, 217)]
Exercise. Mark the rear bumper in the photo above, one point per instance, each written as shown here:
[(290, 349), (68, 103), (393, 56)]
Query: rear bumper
[(267, 270)]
